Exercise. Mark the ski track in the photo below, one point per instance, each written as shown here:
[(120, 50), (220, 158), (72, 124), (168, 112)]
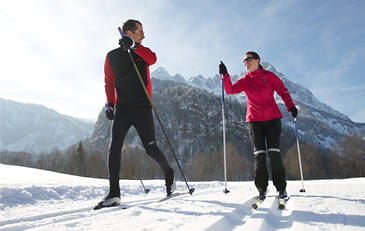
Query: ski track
[(49, 201)]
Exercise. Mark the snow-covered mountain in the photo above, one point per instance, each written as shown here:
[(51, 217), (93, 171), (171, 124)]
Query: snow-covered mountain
[(190, 111), (214, 85), (32, 199), (311, 109), (34, 128)]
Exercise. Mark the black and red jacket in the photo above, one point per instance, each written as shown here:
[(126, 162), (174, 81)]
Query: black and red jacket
[(121, 77)]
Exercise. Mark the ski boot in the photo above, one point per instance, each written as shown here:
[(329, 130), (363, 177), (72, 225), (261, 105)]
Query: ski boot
[(108, 201), (170, 183), (283, 194)]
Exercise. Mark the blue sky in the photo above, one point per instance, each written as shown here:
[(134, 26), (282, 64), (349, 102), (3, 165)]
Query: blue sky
[(52, 52)]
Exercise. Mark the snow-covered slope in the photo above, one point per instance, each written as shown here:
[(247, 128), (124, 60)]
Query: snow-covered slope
[(33, 199), (34, 128)]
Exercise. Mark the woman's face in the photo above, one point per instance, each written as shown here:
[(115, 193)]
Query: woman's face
[(251, 64)]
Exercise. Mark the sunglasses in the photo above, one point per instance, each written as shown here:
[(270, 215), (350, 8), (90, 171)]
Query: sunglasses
[(248, 59)]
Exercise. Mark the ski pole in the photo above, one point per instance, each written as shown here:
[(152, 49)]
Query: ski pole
[(146, 190), (299, 158), (191, 190), (224, 143)]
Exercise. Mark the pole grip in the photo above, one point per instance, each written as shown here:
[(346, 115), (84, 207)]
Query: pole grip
[(120, 31)]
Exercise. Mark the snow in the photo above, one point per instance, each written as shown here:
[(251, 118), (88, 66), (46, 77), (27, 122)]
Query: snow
[(32, 199)]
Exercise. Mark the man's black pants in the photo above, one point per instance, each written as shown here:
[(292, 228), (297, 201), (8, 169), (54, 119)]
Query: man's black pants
[(141, 118), (262, 134)]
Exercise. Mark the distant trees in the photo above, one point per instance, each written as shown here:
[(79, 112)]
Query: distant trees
[(312, 162), (18, 158), (136, 164), (210, 166), (347, 161), (76, 160)]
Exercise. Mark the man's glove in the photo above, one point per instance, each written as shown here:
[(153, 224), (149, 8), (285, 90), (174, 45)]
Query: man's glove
[(126, 42), (109, 111), (222, 68), (294, 111)]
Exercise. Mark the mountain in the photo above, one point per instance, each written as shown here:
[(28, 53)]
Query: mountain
[(190, 111), (332, 122), (34, 128), (214, 85)]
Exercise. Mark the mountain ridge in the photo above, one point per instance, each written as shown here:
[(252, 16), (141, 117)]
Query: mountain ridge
[(34, 128)]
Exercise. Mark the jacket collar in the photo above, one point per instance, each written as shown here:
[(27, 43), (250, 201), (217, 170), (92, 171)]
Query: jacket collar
[(256, 73)]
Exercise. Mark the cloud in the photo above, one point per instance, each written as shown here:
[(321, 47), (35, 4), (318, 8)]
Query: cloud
[(53, 51)]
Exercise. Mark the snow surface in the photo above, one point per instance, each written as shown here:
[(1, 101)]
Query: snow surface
[(32, 199)]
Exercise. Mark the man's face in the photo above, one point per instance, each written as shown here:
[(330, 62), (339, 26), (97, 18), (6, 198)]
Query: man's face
[(138, 35)]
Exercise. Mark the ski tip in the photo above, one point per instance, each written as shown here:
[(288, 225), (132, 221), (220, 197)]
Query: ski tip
[(97, 207), (101, 205)]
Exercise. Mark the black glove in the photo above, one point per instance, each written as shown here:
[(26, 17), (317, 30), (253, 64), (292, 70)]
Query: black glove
[(222, 68), (126, 42), (294, 111), (109, 111)]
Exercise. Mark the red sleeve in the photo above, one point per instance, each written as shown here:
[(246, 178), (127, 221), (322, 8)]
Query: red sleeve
[(283, 92), (146, 54), (109, 82), (230, 88)]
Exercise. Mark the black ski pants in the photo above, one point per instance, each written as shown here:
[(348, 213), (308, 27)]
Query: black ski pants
[(141, 118), (265, 137)]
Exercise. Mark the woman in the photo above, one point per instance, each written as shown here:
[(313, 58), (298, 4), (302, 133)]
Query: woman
[(263, 118)]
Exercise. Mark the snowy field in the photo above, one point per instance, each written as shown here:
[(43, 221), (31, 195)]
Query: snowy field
[(32, 199)]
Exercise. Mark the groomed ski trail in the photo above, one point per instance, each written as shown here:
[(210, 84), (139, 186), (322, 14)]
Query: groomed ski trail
[(32, 199)]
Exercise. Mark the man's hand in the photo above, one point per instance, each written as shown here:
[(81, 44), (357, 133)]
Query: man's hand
[(109, 111), (126, 42)]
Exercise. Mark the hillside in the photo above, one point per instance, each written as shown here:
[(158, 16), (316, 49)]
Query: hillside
[(190, 111), (34, 128)]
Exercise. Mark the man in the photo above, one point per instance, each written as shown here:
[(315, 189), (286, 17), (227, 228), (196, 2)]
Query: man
[(132, 105)]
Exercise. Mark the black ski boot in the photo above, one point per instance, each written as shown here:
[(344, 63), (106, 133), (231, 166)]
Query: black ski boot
[(170, 182), (262, 194), (283, 194)]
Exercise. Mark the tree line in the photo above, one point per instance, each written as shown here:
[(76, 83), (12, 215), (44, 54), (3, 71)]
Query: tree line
[(347, 160)]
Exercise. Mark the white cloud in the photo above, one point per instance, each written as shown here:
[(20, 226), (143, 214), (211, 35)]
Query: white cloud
[(52, 52)]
